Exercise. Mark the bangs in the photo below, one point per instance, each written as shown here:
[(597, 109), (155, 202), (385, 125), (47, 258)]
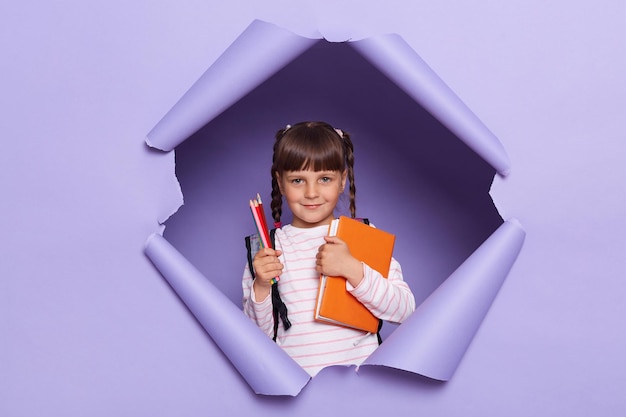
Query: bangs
[(310, 149)]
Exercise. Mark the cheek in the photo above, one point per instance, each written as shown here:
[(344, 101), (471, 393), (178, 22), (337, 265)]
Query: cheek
[(332, 195), (292, 195)]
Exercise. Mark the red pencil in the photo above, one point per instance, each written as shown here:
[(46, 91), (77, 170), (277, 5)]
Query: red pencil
[(262, 224), (258, 224), (258, 199), (256, 207)]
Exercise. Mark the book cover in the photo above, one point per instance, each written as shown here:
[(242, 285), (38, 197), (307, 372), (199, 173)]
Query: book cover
[(369, 245)]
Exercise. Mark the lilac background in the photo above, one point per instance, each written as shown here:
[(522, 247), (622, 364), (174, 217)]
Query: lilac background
[(88, 327)]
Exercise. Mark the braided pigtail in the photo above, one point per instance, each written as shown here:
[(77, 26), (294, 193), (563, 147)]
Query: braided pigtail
[(277, 201), (277, 197), (349, 152)]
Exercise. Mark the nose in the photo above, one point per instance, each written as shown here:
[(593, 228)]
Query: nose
[(311, 190)]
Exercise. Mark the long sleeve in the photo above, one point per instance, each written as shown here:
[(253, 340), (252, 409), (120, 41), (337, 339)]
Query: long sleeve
[(389, 299), (259, 311), (312, 344)]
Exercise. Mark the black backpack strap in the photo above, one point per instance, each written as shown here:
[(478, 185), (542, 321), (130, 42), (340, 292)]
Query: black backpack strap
[(279, 309), (378, 336), (250, 243)]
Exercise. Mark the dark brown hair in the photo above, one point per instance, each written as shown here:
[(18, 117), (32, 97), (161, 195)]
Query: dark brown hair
[(311, 145)]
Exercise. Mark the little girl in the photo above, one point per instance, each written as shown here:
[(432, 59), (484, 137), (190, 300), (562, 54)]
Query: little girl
[(312, 162)]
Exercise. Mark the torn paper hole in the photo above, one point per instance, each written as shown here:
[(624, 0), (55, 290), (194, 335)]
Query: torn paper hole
[(424, 166)]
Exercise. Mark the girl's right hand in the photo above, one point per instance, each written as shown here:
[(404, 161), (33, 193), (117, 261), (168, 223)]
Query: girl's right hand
[(266, 266)]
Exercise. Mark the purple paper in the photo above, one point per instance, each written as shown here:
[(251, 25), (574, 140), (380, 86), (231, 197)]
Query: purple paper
[(398, 61), (88, 326), (387, 53), (260, 51), (263, 49), (266, 367), (434, 339)]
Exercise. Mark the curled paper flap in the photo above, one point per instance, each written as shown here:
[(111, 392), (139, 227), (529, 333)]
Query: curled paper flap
[(264, 365), (257, 54), (401, 64), (434, 339)]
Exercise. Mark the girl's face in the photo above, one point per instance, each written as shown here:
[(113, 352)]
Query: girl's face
[(312, 195)]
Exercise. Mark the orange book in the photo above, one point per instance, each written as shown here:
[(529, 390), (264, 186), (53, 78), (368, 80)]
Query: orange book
[(369, 245)]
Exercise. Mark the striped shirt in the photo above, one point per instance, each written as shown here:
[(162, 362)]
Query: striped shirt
[(312, 344)]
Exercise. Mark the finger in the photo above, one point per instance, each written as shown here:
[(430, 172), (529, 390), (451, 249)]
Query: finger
[(270, 272), (264, 253), (270, 264), (268, 252), (266, 267), (332, 239), (269, 275), (323, 248)]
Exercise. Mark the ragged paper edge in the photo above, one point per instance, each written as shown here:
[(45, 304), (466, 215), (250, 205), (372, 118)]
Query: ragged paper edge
[(433, 340), (268, 48), (164, 184), (401, 64), (387, 53), (500, 187), (262, 363), (258, 53), (210, 95)]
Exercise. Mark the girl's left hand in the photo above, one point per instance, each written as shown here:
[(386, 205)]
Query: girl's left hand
[(334, 259)]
